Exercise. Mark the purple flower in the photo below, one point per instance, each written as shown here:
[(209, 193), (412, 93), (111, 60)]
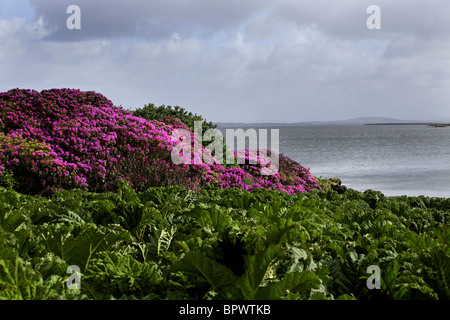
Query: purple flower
[(72, 138)]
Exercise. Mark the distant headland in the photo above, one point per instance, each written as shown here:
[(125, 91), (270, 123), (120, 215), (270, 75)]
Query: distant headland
[(351, 122)]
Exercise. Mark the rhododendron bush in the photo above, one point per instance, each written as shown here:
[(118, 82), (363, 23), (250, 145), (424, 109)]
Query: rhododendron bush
[(65, 139), (288, 176)]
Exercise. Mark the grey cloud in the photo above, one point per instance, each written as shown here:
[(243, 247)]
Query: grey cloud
[(346, 19), (279, 61), (151, 20), (407, 24)]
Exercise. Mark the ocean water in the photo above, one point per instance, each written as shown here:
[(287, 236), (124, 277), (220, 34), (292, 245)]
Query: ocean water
[(394, 159)]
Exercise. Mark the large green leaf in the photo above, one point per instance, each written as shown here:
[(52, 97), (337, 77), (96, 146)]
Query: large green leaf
[(80, 249), (20, 282), (257, 271), (17, 282), (214, 273), (118, 274), (54, 238), (301, 282), (159, 241), (220, 219), (278, 231), (92, 240), (10, 218)]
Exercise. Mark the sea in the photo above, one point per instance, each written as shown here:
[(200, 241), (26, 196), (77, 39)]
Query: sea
[(410, 160)]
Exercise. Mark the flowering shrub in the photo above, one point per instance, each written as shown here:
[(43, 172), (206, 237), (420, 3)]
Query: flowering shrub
[(63, 138), (178, 115), (164, 113), (80, 139), (290, 177), (35, 166)]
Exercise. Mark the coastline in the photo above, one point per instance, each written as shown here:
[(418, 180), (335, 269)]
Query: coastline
[(337, 185), (431, 124)]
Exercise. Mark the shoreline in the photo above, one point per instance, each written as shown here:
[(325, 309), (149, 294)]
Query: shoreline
[(336, 185), (431, 124)]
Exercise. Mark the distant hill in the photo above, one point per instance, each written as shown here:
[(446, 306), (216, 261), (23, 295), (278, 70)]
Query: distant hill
[(355, 122), (372, 120)]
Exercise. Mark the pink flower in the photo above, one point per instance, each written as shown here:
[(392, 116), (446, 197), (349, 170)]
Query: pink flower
[(84, 140)]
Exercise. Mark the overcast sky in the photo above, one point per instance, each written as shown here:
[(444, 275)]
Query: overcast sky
[(237, 60)]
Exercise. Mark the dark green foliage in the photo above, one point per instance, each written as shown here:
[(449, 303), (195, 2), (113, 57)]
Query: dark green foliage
[(7, 180), (165, 113), (171, 115), (174, 243), (115, 274), (232, 254)]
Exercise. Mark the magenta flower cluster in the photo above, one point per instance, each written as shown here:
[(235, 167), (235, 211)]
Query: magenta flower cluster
[(66, 138), (288, 176)]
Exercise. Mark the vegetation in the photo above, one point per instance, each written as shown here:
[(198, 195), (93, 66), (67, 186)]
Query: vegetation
[(439, 125), (168, 114), (64, 139), (88, 185), (176, 114), (175, 243)]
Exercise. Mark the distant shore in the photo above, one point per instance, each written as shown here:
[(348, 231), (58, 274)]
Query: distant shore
[(328, 124), (438, 125)]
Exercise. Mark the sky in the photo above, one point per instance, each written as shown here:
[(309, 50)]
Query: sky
[(237, 60)]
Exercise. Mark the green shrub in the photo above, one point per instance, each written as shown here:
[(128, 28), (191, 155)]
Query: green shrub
[(175, 243), (169, 113)]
